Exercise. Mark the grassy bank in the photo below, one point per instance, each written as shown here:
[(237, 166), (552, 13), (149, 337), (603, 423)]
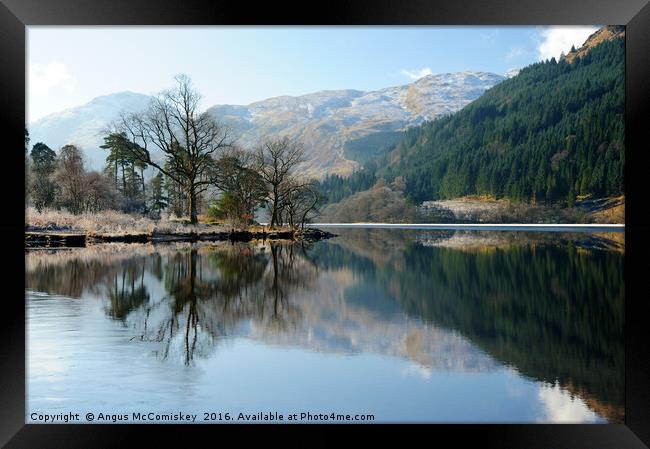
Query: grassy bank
[(60, 228), (110, 222)]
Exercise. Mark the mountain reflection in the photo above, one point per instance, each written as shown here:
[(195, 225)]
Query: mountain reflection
[(551, 307)]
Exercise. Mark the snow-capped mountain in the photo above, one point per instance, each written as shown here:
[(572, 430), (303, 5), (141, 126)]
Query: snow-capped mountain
[(84, 125), (324, 121)]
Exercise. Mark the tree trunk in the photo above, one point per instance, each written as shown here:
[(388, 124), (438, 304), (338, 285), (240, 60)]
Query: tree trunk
[(303, 219), (144, 192), (191, 198), (123, 181)]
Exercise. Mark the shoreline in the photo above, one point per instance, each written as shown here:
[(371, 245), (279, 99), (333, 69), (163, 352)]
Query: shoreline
[(80, 239), (545, 227)]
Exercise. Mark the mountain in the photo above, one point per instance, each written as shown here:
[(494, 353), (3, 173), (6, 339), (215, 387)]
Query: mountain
[(83, 125), (550, 133), (339, 128)]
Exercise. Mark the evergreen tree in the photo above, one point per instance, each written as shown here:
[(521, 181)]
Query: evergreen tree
[(117, 159), (42, 187), (123, 167), (157, 198)]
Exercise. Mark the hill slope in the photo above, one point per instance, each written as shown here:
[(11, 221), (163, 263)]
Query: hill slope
[(552, 132)]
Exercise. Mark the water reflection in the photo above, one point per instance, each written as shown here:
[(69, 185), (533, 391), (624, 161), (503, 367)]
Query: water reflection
[(548, 307)]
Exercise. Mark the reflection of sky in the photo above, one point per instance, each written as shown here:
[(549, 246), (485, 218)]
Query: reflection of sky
[(112, 372)]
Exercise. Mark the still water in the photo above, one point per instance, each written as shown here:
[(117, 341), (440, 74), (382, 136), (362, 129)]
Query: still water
[(403, 325)]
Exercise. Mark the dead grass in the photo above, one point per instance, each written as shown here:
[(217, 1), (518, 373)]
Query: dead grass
[(613, 211), (614, 215), (111, 222)]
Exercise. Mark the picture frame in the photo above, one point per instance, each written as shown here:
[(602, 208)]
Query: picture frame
[(16, 15)]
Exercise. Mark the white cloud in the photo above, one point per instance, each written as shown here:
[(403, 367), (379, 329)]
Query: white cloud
[(416, 74), (54, 75), (558, 39)]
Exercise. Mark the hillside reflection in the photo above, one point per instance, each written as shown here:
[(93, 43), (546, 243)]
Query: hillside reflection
[(551, 307)]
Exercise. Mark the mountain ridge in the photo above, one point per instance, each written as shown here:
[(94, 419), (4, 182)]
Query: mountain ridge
[(324, 120)]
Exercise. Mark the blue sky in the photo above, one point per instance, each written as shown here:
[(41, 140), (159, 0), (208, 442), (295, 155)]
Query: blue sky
[(69, 66)]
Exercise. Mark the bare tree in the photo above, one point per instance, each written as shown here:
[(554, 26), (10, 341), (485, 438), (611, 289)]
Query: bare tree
[(276, 160), (70, 176), (240, 183), (100, 192), (188, 139), (303, 203)]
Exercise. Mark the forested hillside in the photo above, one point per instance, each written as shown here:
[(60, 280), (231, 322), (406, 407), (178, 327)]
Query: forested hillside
[(554, 131), (550, 133)]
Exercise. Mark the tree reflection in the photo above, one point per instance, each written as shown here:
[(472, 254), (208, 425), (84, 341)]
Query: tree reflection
[(214, 290), (127, 290), (210, 291)]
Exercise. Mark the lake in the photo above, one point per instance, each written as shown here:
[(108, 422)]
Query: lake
[(388, 325)]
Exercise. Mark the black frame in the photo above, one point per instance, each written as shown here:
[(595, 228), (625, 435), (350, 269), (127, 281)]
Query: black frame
[(635, 14)]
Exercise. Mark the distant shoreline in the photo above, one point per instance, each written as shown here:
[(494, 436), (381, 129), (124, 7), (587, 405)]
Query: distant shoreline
[(546, 227)]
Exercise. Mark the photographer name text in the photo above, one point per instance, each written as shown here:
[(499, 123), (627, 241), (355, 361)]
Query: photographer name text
[(183, 417)]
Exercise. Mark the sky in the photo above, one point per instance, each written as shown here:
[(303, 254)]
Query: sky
[(69, 66)]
